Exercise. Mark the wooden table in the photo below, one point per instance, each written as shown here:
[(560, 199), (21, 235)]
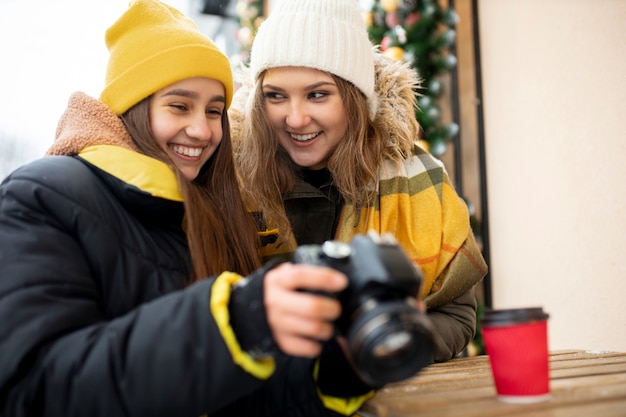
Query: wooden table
[(582, 384)]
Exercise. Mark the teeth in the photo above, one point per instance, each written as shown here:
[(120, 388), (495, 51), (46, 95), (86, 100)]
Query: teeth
[(184, 150), (304, 138)]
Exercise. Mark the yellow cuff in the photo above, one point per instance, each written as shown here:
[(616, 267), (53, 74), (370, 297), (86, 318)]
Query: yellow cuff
[(220, 296), (345, 406)]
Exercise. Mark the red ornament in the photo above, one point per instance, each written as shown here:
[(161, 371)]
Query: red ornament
[(385, 43), (392, 19), (412, 19)]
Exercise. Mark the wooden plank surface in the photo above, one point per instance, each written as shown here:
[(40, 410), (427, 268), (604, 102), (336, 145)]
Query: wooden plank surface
[(582, 383)]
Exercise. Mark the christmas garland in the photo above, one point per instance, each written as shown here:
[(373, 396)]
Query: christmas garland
[(420, 32), (250, 16)]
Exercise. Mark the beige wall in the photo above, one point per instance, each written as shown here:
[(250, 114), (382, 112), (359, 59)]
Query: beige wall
[(554, 84)]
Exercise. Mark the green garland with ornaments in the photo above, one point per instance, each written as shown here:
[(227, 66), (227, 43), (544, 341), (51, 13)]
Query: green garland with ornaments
[(420, 32), (250, 17)]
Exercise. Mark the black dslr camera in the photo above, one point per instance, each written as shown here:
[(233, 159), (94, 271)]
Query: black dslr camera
[(388, 337)]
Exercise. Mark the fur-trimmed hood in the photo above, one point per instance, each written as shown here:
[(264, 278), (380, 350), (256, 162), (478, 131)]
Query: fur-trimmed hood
[(87, 122), (395, 84)]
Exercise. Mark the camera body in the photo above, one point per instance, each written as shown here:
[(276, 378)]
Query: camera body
[(389, 339)]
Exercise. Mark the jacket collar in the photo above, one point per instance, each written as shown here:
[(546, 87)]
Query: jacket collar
[(147, 174)]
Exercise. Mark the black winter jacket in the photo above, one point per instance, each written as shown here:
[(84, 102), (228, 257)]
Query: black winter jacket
[(95, 315)]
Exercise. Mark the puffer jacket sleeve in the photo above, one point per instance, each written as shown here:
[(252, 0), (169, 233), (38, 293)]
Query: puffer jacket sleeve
[(60, 355), (455, 326), (452, 307)]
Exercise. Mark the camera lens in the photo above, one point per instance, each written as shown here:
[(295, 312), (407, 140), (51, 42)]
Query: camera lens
[(389, 342), (391, 345)]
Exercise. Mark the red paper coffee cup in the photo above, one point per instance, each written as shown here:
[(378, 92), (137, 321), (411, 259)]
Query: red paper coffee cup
[(516, 341)]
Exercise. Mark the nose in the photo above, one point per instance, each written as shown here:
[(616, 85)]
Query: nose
[(199, 127), (297, 116)]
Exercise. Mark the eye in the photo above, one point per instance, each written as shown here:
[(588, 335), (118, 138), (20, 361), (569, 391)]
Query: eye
[(178, 106), (214, 111), (317, 95), (272, 95)]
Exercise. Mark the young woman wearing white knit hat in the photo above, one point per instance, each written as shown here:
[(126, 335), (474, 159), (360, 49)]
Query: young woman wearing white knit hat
[(325, 143), (112, 250)]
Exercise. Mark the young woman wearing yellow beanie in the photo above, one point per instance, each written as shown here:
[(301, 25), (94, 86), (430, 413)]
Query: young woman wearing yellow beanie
[(325, 141), (113, 295)]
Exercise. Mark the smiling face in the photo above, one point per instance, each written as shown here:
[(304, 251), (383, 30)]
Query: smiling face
[(306, 111), (186, 121)]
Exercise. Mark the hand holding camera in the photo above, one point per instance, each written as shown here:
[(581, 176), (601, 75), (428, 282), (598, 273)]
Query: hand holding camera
[(364, 292), (299, 321), (389, 338)]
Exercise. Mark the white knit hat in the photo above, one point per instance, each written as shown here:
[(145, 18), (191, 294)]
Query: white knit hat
[(329, 35)]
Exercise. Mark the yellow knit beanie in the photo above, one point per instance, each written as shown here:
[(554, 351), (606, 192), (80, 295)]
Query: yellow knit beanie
[(153, 45)]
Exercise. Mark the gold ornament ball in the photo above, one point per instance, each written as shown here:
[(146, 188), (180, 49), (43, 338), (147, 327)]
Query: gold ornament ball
[(389, 5), (257, 22), (472, 349), (394, 52), (368, 18)]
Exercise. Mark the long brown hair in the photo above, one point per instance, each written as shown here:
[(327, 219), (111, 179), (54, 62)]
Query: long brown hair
[(269, 173), (220, 231)]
